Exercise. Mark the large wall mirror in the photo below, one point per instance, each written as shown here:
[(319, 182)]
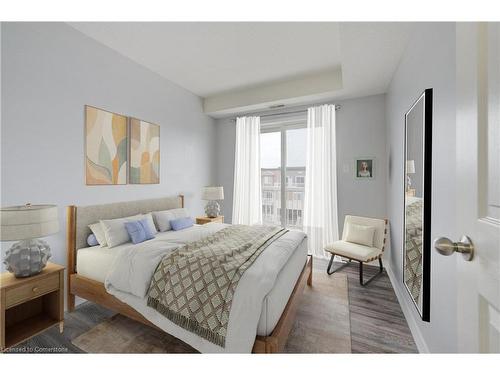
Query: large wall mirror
[(417, 203)]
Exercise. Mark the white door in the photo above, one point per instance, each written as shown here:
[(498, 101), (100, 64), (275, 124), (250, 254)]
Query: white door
[(478, 185)]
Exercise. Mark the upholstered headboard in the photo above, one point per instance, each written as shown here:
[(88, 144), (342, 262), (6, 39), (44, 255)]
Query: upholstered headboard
[(79, 217)]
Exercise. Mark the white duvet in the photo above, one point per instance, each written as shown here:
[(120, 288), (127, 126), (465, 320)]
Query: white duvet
[(133, 267)]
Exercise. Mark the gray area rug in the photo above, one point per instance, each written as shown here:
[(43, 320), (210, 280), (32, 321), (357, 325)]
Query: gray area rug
[(322, 325)]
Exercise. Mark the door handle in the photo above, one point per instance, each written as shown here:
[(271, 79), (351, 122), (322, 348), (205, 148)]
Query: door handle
[(445, 246)]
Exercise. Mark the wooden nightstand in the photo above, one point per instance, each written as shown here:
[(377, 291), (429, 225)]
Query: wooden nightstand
[(206, 220), (30, 305)]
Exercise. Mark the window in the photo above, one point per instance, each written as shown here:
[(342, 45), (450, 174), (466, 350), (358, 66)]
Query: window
[(267, 210), (268, 180), (270, 161), (283, 153)]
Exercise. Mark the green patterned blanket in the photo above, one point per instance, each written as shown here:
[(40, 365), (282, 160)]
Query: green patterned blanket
[(194, 285)]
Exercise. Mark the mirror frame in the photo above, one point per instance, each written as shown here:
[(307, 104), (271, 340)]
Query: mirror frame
[(426, 96)]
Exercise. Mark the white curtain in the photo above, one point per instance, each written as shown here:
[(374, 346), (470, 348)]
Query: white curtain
[(320, 201), (247, 194)]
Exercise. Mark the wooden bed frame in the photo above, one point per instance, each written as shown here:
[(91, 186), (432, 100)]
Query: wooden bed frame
[(95, 291)]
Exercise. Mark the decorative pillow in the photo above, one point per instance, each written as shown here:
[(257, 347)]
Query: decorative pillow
[(151, 223), (163, 218), (115, 232), (139, 230), (360, 234), (182, 223), (98, 232), (92, 240)]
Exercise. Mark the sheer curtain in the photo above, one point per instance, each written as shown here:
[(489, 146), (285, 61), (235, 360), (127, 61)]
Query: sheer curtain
[(320, 201), (247, 194)]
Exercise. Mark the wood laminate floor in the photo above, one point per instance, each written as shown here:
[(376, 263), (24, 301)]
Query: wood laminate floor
[(377, 322)]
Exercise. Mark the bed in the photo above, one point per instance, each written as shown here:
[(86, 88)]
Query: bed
[(89, 271)]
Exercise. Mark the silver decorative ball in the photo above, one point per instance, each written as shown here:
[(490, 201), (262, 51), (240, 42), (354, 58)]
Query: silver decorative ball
[(27, 258), (212, 209)]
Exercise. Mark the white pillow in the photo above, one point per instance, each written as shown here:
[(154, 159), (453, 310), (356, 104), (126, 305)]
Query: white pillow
[(163, 218), (360, 234), (115, 231), (151, 223), (96, 228)]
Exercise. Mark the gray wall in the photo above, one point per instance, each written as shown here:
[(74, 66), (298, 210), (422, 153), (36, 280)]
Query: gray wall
[(415, 146), (429, 62), (49, 72), (360, 133)]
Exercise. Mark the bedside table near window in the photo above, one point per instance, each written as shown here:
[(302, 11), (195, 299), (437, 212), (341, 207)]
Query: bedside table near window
[(30, 305), (206, 220)]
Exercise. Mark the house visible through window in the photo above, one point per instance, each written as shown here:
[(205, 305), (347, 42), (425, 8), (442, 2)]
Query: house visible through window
[(268, 180)]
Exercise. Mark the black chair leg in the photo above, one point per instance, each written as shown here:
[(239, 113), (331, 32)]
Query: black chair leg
[(330, 264), (381, 270)]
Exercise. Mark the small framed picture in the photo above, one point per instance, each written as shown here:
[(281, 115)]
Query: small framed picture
[(364, 168)]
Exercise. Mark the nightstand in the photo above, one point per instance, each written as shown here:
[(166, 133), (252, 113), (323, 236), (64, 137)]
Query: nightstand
[(30, 305), (206, 220)]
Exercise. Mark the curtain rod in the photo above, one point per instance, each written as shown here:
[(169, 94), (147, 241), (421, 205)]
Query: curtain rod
[(337, 107)]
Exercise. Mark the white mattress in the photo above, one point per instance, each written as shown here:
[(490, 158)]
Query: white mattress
[(276, 300), (95, 262)]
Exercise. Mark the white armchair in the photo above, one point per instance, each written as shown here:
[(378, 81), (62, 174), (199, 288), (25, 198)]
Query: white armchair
[(363, 240)]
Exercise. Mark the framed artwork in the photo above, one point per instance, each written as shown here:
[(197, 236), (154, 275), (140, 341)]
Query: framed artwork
[(364, 168), (106, 145), (144, 152)]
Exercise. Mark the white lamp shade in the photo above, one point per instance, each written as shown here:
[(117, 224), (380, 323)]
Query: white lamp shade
[(213, 193), (410, 166), (30, 221)]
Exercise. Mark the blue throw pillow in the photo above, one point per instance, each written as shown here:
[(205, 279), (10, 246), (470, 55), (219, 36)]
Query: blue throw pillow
[(92, 240), (182, 223), (139, 230)]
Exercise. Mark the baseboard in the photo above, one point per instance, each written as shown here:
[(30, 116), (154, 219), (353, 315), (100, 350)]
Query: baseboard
[(406, 307)]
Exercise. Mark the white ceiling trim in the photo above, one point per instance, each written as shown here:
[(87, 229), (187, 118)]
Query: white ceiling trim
[(307, 87)]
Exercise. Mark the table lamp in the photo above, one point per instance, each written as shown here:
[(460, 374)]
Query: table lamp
[(212, 194), (410, 169), (26, 224)]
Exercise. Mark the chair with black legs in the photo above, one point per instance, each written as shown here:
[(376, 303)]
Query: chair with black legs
[(363, 240)]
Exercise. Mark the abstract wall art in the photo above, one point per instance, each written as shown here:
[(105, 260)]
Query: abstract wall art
[(144, 152), (106, 145)]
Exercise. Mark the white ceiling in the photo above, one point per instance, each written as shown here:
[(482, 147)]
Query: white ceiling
[(370, 54), (213, 59), (208, 58)]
